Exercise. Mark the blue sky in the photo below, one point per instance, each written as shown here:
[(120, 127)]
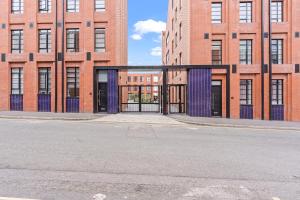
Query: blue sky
[(146, 18)]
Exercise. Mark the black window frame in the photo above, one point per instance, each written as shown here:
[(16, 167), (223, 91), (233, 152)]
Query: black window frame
[(73, 78), (47, 43), (74, 46), (277, 51), (19, 34), (246, 92), (19, 90), (44, 79), (216, 16), (100, 46), (246, 18), (277, 13), (220, 57), (277, 92), (19, 9), (100, 5), (73, 6), (248, 47), (45, 6)]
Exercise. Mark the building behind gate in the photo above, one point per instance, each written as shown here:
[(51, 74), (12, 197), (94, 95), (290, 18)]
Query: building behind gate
[(237, 33), (49, 49)]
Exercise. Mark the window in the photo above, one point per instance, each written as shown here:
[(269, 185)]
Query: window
[(245, 12), (100, 40), (129, 78), (148, 79), (176, 39), (216, 13), (45, 81), (246, 92), (135, 79), (168, 39), (155, 79), (246, 52), (17, 81), (277, 11), (277, 51), (72, 40), (17, 41), (277, 92), (44, 6), (99, 5), (73, 82), (17, 6), (180, 58), (168, 57), (216, 52), (141, 79), (180, 31), (73, 5), (45, 41)]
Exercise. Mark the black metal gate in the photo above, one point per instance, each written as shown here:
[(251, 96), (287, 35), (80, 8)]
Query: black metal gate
[(140, 98), (177, 98)]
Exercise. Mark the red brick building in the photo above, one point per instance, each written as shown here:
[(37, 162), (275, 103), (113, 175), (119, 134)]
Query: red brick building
[(237, 33), (49, 51)]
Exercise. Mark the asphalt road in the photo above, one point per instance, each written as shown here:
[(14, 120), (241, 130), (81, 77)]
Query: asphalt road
[(113, 161)]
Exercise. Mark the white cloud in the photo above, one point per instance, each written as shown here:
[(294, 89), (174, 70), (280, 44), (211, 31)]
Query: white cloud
[(147, 26), (157, 51), (136, 37)]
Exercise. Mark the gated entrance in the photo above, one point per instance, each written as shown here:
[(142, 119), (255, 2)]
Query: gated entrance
[(138, 98), (169, 91), (177, 98)]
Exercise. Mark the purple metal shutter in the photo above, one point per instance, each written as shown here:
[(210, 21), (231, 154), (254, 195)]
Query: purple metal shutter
[(246, 112), (112, 90), (16, 102), (44, 103), (199, 92), (278, 112)]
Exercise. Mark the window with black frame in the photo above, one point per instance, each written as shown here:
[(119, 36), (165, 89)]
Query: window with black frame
[(216, 13), (245, 92), (246, 52), (17, 6), (277, 51), (17, 41), (216, 52), (44, 40), (73, 82), (45, 81), (277, 92), (73, 5), (245, 12), (100, 37), (73, 40), (277, 11), (17, 81), (44, 6), (100, 5)]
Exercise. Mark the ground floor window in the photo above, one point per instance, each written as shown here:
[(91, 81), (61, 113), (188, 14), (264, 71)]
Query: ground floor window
[(277, 92), (17, 81), (45, 81), (246, 92), (73, 82)]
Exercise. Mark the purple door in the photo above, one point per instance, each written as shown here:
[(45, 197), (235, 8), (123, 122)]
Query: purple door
[(199, 92), (246, 112), (278, 112)]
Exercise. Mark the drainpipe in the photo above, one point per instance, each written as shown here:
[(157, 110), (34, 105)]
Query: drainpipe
[(63, 59), (56, 56), (270, 61), (262, 60)]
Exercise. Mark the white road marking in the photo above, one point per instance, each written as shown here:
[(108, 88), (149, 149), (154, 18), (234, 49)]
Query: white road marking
[(11, 198), (275, 198), (99, 196)]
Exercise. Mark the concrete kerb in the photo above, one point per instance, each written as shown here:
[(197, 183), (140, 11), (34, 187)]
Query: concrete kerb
[(236, 125)]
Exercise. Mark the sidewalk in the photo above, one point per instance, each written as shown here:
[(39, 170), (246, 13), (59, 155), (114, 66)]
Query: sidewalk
[(50, 116), (237, 123)]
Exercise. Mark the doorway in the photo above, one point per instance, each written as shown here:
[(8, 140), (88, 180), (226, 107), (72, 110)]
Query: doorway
[(216, 99), (102, 91)]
